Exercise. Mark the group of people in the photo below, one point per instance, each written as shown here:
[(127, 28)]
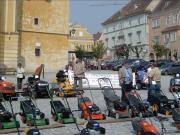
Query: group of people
[(126, 78), (76, 72)]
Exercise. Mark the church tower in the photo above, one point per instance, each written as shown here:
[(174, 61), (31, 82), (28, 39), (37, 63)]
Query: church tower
[(8, 33), (34, 32)]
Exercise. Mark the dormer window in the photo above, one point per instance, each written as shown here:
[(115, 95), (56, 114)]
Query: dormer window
[(135, 6), (167, 3)]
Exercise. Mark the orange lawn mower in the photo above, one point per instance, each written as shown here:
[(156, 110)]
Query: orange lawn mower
[(142, 127), (90, 111)]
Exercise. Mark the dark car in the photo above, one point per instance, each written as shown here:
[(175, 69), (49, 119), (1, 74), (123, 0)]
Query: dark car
[(170, 68), (134, 63), (163, 62), (117, 65)]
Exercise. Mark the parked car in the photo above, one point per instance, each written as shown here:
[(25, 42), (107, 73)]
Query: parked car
[(170, 68), (163, 62), (134, 63)]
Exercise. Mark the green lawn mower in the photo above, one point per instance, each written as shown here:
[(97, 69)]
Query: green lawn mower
[(60, 113), (31, 114), (6, 119)]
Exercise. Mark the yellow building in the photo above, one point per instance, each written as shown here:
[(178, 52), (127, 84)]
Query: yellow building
[(79, 36), (37, 33)]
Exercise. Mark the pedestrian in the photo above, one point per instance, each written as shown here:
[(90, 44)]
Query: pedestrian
[(154, 76), (99, 64), (70, 73), (20, 75), (79, 74), (125, 79)]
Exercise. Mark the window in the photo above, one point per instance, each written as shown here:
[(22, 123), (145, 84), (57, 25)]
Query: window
[(139, 20), (114, 28), (121, 39), (156, 40), (173, 36), (130, 37), (169, 19), (130, 23), (166, 38), (175, 18), (36, 21), (167, 4), (155, 23), (120, 26), (37, 51), (139, 36)]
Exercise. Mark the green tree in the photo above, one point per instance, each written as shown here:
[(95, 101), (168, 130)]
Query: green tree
[(122, 51), (98, 50), (137, 50), (159, 50), (80, 53)]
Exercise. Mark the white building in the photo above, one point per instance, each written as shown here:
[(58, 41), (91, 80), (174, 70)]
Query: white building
[(130, 27)]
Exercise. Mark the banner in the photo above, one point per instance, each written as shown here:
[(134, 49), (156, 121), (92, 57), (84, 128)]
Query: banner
[(94, 76)]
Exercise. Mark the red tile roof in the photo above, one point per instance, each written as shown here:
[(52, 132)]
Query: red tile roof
[(133, 7)]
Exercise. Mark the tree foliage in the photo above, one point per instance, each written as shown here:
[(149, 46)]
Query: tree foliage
[(98, 50), (137, 50), (159, 50), (122, 51), (80, 53)]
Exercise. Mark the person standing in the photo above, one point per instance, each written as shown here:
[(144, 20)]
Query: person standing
[(20, 75), (125, 79), (70, 73), (154, 75), (79, 74)]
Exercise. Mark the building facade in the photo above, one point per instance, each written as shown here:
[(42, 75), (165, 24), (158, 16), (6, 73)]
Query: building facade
[(37, 34), (79, 36), (130, 27), (8, 33), (165, 28)]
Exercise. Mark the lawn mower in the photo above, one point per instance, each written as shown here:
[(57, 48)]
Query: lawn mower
[(36, 85), (31, 114), (61, 113), (159, 101), (6, 119), (7, 88), (89, 109), (62, 86), (175, 84), (115, 107), (142, 127), (176, 117), (136, 105), (92, 128), (176, 110)]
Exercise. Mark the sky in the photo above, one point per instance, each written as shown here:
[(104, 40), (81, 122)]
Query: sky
[(91, 13)]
